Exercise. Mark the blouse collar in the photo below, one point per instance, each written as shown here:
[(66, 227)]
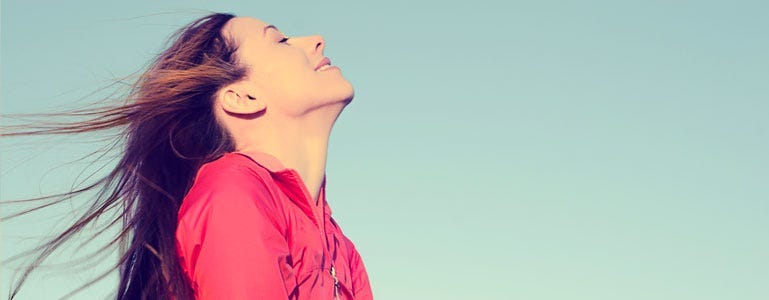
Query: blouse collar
[(291, 183)]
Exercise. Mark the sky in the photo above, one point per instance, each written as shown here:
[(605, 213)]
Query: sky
[(494, 149)]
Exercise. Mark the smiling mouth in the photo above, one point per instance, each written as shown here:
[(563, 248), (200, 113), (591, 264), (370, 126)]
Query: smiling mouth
[(326, 67), (324, 63)]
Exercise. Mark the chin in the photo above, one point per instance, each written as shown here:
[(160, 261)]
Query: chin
[(343, 93), (349, 93), (349, 96), (338, 92)]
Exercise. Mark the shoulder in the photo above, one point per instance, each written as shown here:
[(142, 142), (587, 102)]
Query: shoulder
[(232, 180)]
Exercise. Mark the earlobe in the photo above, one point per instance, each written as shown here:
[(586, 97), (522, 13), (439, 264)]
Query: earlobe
[(241, 103)]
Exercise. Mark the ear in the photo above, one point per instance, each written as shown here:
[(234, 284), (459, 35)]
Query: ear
[(237, 101)]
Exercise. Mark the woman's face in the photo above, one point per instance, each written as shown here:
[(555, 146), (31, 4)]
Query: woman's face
[(283, 70)]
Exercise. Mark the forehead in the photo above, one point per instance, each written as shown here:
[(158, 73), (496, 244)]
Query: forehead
[(239, 28)]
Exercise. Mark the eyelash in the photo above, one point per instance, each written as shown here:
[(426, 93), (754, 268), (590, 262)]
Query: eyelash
[(285, 39)]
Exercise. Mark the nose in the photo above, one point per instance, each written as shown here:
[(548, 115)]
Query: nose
[(313, 44), (319, 43)]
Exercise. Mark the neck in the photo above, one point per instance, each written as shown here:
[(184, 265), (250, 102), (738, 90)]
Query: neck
[(298, 143)]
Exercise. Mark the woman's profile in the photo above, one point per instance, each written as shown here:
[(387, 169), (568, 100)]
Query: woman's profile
[(220, 182)]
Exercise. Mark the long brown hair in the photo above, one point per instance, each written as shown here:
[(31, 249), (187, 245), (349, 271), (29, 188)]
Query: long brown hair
[(167, 130)]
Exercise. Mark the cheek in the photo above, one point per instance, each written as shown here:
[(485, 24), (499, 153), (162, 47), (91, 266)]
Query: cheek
[(290, 84), (290, 75), (283, 64)]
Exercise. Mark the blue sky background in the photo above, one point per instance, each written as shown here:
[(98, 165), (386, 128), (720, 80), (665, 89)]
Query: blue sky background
[(494, 149)]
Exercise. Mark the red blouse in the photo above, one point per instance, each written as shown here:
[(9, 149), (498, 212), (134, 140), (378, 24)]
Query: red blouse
[(248, 229)]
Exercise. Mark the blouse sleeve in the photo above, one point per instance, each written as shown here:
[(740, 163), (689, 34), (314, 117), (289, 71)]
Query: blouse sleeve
[(229, 241)]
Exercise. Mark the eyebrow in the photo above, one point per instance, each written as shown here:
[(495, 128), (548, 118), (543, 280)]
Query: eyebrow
[(264, 31)]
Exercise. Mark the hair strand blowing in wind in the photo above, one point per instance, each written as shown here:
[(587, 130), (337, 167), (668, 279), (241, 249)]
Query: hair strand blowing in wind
[(167, 130)]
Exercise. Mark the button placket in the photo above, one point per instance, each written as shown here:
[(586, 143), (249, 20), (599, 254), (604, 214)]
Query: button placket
[(336, 283)]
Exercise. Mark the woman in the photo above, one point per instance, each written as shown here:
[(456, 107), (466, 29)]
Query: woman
[(221, 182)]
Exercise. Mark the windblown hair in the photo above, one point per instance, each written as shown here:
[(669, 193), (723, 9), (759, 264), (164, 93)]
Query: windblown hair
[(167, 130)]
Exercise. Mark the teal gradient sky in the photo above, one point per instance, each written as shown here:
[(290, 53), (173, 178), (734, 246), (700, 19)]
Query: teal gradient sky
[(537, 150)]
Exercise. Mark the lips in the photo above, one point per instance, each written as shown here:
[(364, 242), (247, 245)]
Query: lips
[(323, 62)]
